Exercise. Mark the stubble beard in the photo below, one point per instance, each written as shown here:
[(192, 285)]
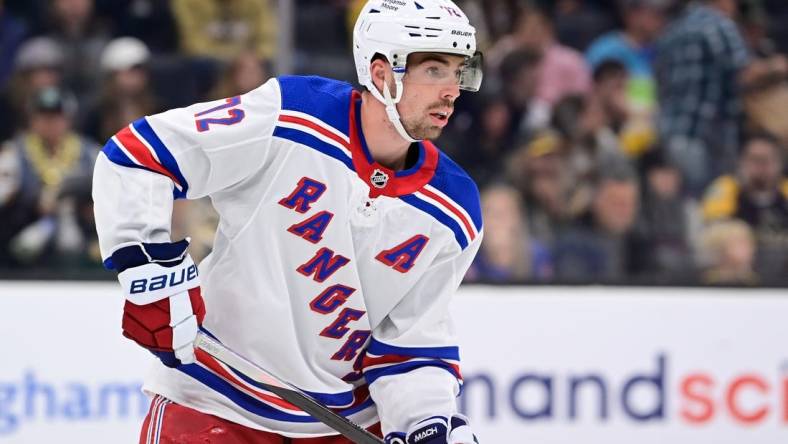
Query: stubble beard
[(421, 130)]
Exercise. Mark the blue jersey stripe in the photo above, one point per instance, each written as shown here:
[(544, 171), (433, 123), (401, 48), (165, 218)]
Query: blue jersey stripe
[(440, 216), (248, 402), (325, 99), (327, 399), (378, 348), (313, 142), (451, 180), (165, 156), (117, 156), (373, 375)]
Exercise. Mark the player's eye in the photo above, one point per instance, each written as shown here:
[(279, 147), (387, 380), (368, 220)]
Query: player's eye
[(434, 71)]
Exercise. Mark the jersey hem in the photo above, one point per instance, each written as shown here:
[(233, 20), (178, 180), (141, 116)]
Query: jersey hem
[(152, 390)]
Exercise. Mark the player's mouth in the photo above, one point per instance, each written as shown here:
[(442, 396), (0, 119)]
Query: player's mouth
[(440, 118)]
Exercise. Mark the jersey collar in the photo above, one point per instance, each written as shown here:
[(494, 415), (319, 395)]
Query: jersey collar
[(382, 180)]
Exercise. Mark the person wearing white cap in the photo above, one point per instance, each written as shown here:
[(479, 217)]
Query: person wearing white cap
[(38, 64), (124, 53), (39, 52), (82, 36), (126, 92)]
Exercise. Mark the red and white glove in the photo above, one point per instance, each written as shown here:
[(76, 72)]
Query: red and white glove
[(164, 308), (436, 430)]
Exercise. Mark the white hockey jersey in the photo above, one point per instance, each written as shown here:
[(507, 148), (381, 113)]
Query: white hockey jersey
[(328, 269)]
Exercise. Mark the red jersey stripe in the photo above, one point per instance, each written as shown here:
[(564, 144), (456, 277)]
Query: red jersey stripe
[(214, 366), (451, 208), (141, 154), (314, 126)]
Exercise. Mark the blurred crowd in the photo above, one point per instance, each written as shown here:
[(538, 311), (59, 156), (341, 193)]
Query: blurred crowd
[(613, 141)]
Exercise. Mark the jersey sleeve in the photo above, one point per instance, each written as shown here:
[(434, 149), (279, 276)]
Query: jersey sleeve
[(187, 152), (412, 361)]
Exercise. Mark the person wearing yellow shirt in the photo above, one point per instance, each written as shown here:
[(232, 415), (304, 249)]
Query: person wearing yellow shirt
[(223, 29), (758, 195)]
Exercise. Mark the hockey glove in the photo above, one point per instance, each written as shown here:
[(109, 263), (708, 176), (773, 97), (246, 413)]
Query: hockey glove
[(436, 430), (164, 308)]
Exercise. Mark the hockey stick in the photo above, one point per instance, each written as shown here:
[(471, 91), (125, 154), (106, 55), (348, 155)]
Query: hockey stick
[(285, 390)]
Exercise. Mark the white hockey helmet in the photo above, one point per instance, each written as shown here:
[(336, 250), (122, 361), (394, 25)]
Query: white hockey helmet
[(396, 28)]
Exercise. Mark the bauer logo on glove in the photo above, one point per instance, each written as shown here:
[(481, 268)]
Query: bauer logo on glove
[(164, 307), (166, 280)]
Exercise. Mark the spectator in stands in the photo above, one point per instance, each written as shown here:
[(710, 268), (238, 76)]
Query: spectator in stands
[(519, 79), (508, 253), (597, 128), (729, 249), (38, 65), (764, 85), (668, 224), (490, 129), (633, 46), (596, 246), (45, 183), (766, 95), (243, 74), (498, 16), (758, 195), (619, 128), (700, 61), (81, 39), (561, 70), (539, 170), (222, 29), (126, 92), (148, 20), (606, 111), (478, 14), (579, 22), (12, 32)]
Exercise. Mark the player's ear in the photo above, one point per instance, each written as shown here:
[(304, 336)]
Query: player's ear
[(380, 71)]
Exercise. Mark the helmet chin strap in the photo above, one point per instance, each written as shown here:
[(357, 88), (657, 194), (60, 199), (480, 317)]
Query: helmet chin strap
[(391, 109)]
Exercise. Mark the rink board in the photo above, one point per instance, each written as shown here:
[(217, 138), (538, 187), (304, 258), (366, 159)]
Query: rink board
[(541, 365)]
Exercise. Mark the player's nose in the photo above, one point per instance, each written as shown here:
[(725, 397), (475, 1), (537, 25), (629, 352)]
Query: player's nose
[(450, 92)]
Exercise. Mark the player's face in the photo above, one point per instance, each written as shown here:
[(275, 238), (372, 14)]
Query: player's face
[(431, 85)]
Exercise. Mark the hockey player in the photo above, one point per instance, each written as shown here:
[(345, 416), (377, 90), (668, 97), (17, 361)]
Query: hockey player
[(343, 234)]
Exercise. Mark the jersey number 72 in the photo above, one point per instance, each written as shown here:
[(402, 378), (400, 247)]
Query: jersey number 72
[(235, 114)]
